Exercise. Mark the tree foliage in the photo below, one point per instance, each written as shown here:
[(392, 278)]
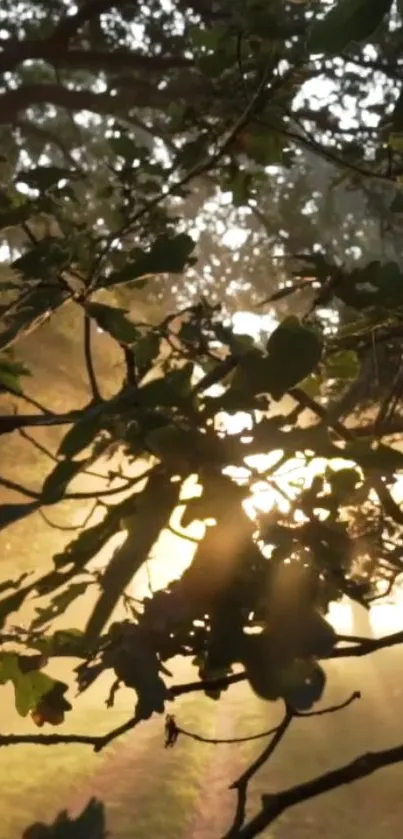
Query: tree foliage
[(121, 124)]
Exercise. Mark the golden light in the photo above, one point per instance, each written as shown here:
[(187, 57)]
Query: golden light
[(175, 548)]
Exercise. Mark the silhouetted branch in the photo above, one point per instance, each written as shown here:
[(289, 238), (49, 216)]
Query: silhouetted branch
[(247, 739), (88, 359), (274, 805), (367, 646), (215, 741), (202, 167), (15, 487), (70, 527), (241, 784), (97, 741), (331, 709), (11, 422)]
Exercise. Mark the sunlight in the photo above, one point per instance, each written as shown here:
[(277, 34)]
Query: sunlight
[(176, 546), (340, 615), (387, 617)]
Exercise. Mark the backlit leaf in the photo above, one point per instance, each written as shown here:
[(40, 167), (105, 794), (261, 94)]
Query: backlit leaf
[(168, 255), (348, 20), (113, 321)]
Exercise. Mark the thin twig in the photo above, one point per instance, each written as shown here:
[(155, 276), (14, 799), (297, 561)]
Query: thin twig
[(69, 527), (241, 784), (274, 805), (88, 358), (15, 487), (182, 535), (197, 170), (98, 742), (217, 741), (331, 709), (75, 496), (35, 404), (37, 445), (54, 458)]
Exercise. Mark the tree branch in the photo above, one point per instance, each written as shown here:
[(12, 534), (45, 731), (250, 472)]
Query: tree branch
[(97, 741), (241, 784), (367, 646), (274, 805), (88, 359), (11, 422), (262, 734)]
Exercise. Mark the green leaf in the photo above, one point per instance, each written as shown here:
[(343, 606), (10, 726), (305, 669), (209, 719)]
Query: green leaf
[(124, 146), (14, 209), (348, 20), (44, 260), (168, 255), (396, 141), (343, 482), (9, 668), (311, 385), (29, 688), (264, 146), (55, 484), (342, 365), (172, 444), (146, 350), (113, 321), (169, 390), (44, 178), (9, 380), (240, 188), (294, 353), (10, 372), (377, 284), (208, 39)]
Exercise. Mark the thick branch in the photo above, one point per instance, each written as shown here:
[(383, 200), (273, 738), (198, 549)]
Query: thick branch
[(12, 422), (275, 805), (368, 646)]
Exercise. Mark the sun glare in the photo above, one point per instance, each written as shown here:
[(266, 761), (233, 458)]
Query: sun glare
[(175, 548)]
